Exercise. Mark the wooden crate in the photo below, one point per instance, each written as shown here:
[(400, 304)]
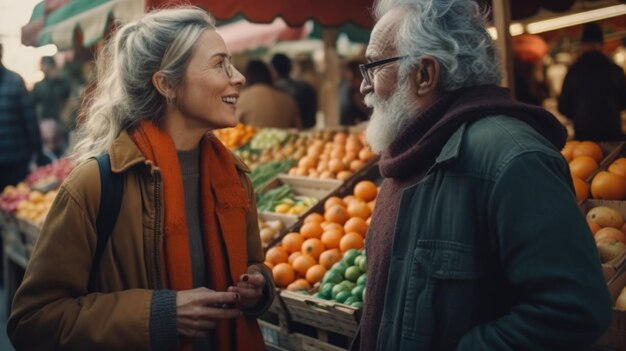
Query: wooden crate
[(30, 233), (322, 314), (608, 268), (615, 336), (302, 186)]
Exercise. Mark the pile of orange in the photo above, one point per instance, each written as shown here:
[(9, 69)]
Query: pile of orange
[(610, 184), (302, 258), (236, 136), (336, 159), (584, 158)]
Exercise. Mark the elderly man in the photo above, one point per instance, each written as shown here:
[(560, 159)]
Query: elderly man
[(487, 249)]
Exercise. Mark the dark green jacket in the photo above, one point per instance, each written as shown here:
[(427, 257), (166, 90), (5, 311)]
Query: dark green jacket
[(491, 251)]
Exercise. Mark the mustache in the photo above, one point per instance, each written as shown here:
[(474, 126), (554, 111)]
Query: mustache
[(371, 100)]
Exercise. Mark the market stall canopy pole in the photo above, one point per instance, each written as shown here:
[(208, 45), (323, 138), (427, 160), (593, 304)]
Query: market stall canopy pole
[(329, 13), (502, 20)]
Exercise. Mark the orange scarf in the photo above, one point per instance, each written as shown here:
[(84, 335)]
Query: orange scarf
[(224, 205)]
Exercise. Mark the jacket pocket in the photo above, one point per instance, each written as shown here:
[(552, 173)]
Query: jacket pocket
[(440, 294)]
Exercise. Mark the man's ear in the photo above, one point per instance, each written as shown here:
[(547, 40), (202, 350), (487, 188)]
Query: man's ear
[(163, 86), (427, 76)]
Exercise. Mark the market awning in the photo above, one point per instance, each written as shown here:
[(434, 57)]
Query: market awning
[(244, 35), (89, 16), (30, 32), (330, 13)]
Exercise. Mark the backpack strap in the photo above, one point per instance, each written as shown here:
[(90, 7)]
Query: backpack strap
[(111, 191)]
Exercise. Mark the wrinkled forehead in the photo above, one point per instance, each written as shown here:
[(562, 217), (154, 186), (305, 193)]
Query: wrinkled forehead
[(382, 40)]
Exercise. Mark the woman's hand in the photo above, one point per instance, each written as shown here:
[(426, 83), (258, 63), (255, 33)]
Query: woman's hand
[(250, 287), (199, 310)]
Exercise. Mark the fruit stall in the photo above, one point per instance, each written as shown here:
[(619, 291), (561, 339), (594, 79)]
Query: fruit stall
[(316, 191)]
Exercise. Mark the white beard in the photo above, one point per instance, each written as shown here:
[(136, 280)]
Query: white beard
[(389, 117)]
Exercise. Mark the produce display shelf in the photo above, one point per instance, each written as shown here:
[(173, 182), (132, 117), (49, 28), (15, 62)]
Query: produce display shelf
[(322, 314)]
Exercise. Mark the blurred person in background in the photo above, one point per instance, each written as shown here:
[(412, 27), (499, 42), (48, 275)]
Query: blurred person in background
[(20, 140), (530, 87), (476, 241), (53, 140), (301, 91), (183, 268), (52, 93), (352, 108), (262, 105), (594, 91)]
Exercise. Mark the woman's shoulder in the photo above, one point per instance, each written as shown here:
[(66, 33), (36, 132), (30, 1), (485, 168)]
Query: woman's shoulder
[(83, 183)]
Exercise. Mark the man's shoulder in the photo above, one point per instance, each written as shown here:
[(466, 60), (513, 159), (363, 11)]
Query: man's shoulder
[(493, 140)]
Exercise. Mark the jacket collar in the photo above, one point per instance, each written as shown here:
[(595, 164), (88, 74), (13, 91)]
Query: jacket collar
[(452, 147), (125, 154)]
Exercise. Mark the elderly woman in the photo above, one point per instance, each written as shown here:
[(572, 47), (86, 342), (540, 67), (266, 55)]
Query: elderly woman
[(182, 269)]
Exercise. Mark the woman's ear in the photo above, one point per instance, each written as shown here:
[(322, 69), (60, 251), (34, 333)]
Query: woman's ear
[(427, 77), (163, 86)]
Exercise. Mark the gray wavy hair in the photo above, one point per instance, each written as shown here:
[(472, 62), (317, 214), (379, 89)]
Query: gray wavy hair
[(161, 41), (451, 31)]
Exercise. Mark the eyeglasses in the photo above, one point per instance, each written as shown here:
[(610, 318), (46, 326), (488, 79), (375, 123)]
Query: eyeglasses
[(227, 66), (368, 74)]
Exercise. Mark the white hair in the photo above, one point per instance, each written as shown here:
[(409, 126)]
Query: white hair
[(389, 117), (451, 31), (161, 41)]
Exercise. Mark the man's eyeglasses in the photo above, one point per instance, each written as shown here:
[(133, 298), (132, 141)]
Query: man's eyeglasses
[(366, 69)]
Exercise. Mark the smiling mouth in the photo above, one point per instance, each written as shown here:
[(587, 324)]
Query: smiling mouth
[(230, 100)]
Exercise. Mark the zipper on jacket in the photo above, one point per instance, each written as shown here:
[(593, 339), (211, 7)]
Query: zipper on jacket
[(157, 225)]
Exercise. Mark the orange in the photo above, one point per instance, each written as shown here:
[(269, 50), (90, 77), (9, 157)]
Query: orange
[(359, 209), (315, 273), (354, 145), (343, 175), (338, 214), (351, 241), (269, 265), (333, 200), (307, 162), (336, 165), (372, 204), (311, 230), (582, 189), (331, 238), (283, 274), (314, 217), (347, 200), (568, 149), (329, 257), (588, 148), (292, 242), (276, 254), (618, 167), (332, 225), (356, 165), (340, 138), (313, 247), (582, 166), (302, 263), (293, 256), (365, 190), (357, 225), (299, 284), (366, 154), (608, 186)]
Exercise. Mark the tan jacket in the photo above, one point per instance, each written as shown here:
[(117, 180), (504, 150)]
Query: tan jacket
[(52, 308), (264, 106)]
